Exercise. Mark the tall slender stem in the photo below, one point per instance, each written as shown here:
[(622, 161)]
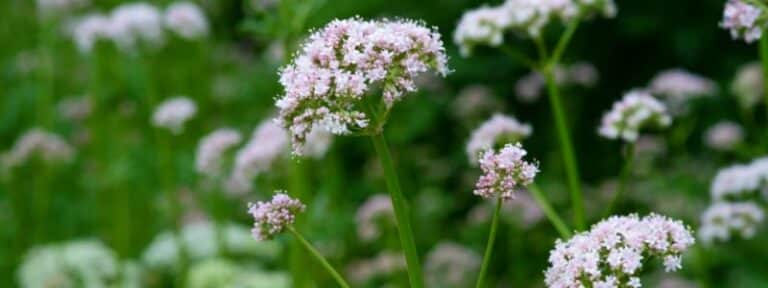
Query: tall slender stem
[(764, 59), (299, 189), (551, 214), (400, 205), (489, 245), (626, 171), (566, 147), (340, 280)]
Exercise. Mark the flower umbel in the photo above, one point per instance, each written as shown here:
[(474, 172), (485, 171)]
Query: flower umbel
[(637, 110), (614, 250), (327, 81), (171, 114), (504, 172), (274, 216), (743, 20)]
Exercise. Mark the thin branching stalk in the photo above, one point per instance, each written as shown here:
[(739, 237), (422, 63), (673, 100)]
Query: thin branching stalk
[(489, 246), (551, 214), (400, 206), (764, 60), (336, 276), (624, 179)]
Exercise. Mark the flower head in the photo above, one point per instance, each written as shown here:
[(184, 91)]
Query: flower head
[(187, 20), (743, 20), (274, 216), (342, 62), (171, 114), (368, 216), (612, 253), (69, 264), (748, 85), (136, 23), (267, 143), (724, 136), (36, 142), (676, 86), (737, 182), (89, 30), (499, 129), (504, 172), (637, 110), (212, 148), (723, 219), (451, 265)]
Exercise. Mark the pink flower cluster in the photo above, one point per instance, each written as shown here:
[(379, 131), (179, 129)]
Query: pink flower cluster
[(499, 129), (378, 207), (743, 20), (211, 150), (271, 218), (677, 86), (326, 82), (637, 110), (34, 143), (612, 253), (504, 172)]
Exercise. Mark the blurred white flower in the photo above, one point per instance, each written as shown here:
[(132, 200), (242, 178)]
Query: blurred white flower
[(450, 265), (723, 219), (219, 272), (187, 20), (498, 130), (382, 265), (211, 150), (738, 181), (748, 85), (81, 263), (36, 142), (172, 113), (86, 31), (370, 215), (724, 136), (201, 243), (743, 20), (48, 8), (677, 86), (75, 108), (134, 24), (613, 251), (267, 143), (636, 111)]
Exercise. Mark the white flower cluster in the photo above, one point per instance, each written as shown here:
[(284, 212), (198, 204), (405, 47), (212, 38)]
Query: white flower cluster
[(369, 216), (200, 242), (172, 113), (36, 142), (583, 74), (211, 150), (267, 143), (384, 264), (218, 272), (81, 263), (133, 25), (338, 64), (743, 20), (637, 110), (748, 85), (612, 253), (722, 219), (451, 265), (500, 129), (735, 210), (504, 172), (271, 218), (724, 136), (487, 25), (677, 86)]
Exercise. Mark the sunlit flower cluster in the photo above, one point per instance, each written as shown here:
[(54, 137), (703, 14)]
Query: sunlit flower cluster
[(724, 136), (500, 129), (748, 85), (451, 265), (271, 218), (487, 25), (676, 86), (636, 111), (173, 113), (504, 172), (187, 20), (38, 143), (583, 74), (211, 150), (339, 64), (82, 263), (266, 144), (613, 252), (743, 20), (723, 219), (139, 24), (369, 216)]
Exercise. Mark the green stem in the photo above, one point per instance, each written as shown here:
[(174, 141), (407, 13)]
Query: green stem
[(566, 147), (626, 172), (340, 280), (551, 214), (764, 60), (518, 56), (489, 245), (400, 205), (297, 262), (565, 39)]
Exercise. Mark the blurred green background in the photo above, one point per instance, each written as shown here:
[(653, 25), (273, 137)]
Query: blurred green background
[(115, 189)]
